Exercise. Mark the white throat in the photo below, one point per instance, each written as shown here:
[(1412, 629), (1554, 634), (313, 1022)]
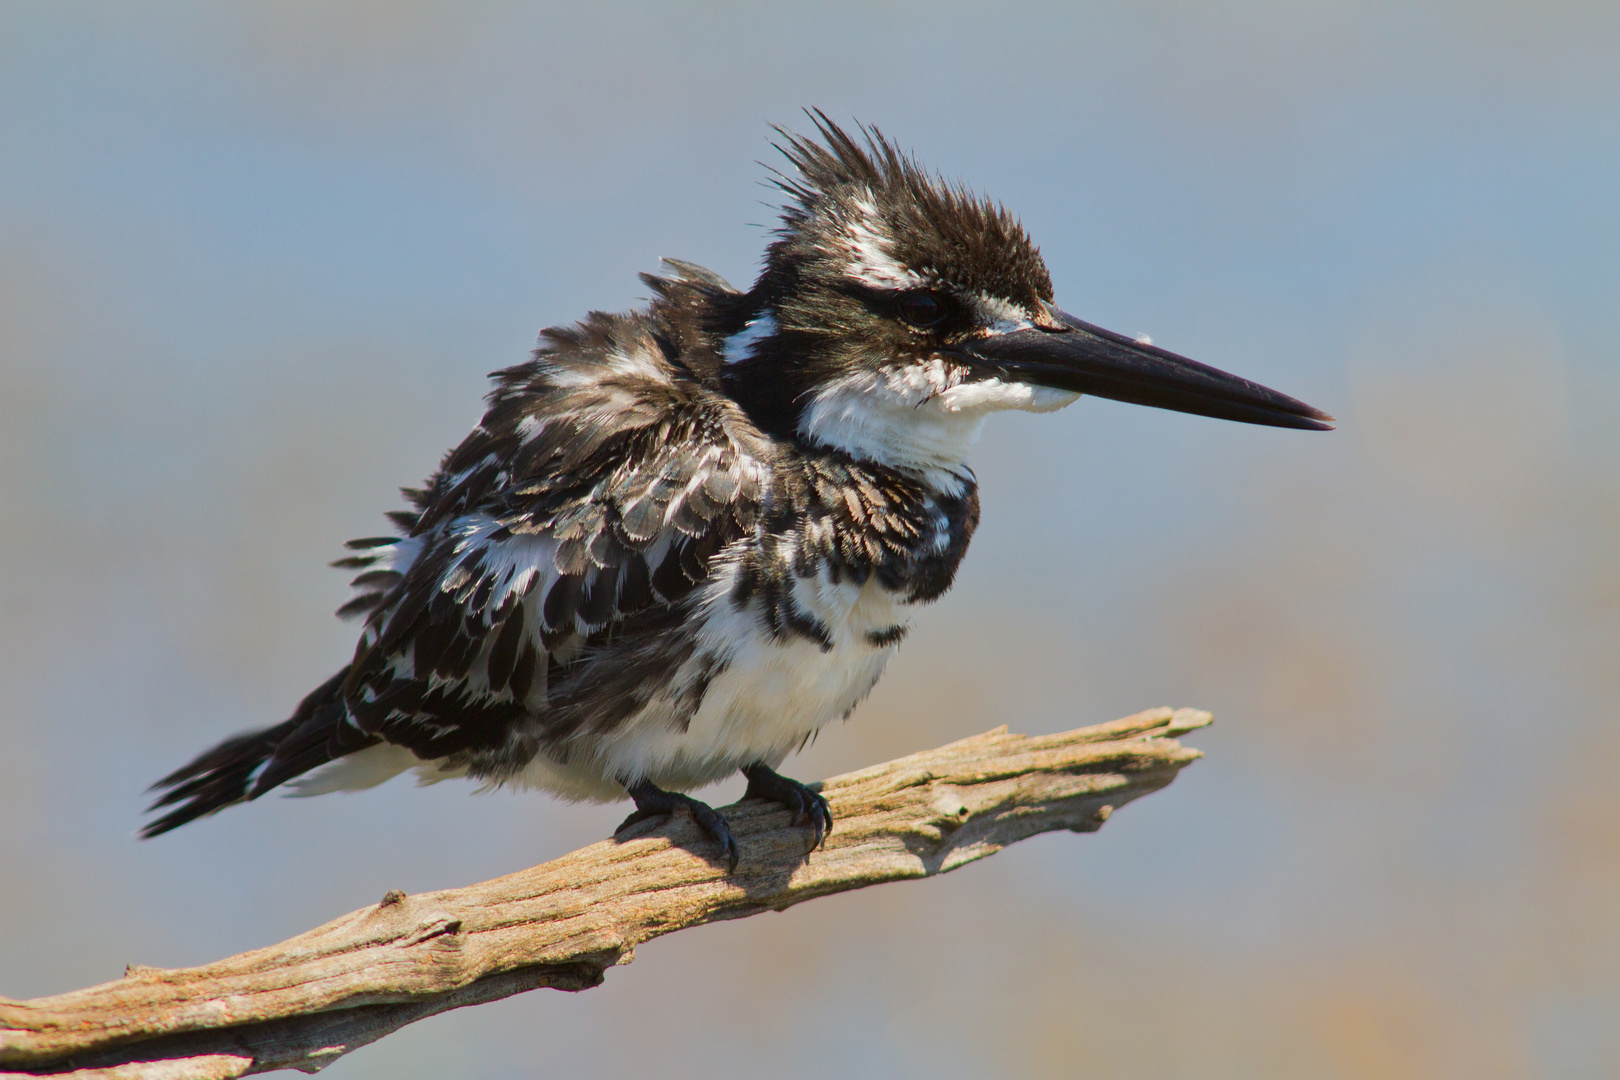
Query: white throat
[(921, 416)]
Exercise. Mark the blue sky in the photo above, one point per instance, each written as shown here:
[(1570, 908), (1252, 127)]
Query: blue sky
[(255, 262)]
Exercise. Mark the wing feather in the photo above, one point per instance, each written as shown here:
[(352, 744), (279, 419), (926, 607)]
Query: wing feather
[(566, 531)]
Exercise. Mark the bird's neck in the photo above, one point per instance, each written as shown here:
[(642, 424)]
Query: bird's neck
[(902, 417)]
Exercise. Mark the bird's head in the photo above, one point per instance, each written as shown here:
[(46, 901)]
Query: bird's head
[(896, 311)]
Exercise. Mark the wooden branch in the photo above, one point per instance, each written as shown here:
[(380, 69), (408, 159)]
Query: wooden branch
[(309, 1000)]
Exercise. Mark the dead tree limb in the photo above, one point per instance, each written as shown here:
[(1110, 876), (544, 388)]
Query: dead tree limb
[(309, 1000)]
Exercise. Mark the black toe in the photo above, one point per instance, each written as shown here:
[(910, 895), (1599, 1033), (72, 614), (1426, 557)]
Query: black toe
[(710, 821), (637, 818), (652, 802), (806, 805)]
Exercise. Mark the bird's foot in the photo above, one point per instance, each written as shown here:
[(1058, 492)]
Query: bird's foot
[(808, 807), (654, 802)]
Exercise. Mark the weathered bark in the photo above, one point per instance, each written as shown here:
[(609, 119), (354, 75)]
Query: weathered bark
[(309, 1000)]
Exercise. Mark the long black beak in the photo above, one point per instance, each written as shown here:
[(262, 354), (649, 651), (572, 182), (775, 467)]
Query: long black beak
[(1068, 354)]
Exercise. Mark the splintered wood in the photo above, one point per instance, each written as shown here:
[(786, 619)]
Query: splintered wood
[(309, 1000)]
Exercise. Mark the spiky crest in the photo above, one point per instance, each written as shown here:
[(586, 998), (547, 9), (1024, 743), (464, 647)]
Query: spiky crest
[(938, 230)]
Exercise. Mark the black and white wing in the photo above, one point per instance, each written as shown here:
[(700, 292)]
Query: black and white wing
[(541, 585), (536, 591)]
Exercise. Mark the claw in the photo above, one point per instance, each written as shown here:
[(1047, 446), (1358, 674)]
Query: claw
[(652, 802), (806, 806), (637, 818)]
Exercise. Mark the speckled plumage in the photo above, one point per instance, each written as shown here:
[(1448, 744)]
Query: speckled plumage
[(685, 538)]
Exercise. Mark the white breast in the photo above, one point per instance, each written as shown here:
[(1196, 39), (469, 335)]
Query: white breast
[(924, 416), (770, 698)]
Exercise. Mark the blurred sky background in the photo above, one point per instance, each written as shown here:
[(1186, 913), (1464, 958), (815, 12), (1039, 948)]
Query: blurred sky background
[(256, 260)]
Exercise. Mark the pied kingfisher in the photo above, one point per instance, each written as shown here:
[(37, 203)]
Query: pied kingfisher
[(685, 538)]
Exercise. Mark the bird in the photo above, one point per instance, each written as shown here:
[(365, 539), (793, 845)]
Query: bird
[(685, 538)]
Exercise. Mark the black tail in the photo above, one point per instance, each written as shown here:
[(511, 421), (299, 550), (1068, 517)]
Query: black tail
[(249, 765)]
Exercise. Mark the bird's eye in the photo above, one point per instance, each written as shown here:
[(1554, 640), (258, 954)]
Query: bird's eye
[(921, 309)]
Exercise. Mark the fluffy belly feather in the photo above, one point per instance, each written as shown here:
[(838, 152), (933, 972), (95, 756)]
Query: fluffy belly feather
[(765, 705), (764, 697), (769, 697)]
